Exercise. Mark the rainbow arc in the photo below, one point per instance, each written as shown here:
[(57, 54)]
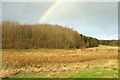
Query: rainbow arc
[(48, 10)]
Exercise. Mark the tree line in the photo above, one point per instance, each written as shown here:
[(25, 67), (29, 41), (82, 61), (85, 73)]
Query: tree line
[(26, 36), (109, 42)]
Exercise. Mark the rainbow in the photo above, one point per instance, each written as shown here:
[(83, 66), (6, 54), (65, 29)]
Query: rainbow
[(48, 11)]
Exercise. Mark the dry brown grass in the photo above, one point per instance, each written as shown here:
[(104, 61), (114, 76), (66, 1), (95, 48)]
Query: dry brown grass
[(61, 61)]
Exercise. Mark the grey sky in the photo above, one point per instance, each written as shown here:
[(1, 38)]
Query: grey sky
[(96, 19)]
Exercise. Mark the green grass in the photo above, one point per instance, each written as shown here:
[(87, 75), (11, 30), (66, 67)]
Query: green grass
[(93, 73), (40, 50), (32, 75)]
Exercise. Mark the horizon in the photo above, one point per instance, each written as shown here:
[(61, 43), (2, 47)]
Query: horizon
[(94, 19), (61, 26)]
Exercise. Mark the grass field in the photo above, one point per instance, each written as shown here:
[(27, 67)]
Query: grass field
[(97, 62)]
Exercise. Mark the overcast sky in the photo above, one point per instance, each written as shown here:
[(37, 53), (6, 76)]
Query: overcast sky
[(95, 19)]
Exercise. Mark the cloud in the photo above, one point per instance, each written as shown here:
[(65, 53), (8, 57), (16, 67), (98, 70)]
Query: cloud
[(92, 19), (96, 19)]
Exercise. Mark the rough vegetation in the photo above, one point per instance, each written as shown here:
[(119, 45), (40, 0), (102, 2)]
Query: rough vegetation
[(110, 42), (53, 51), (24, 36), (99, 62)]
